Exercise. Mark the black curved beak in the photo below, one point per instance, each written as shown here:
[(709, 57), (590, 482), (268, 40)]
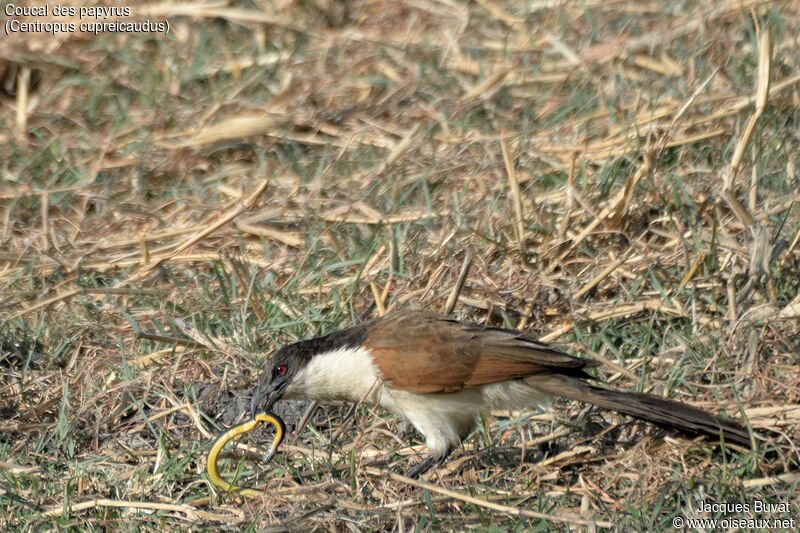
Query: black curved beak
[(264, 397)]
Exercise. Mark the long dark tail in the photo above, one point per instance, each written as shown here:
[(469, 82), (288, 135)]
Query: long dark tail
[(649, 408)]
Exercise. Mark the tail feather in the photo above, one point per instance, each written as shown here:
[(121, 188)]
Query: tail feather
[(649, 408)]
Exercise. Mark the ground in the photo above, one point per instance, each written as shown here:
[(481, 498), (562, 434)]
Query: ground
[(619, 178)]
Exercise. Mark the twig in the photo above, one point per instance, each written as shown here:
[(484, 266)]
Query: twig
[(456, 290), (505, 509), (515, 195)]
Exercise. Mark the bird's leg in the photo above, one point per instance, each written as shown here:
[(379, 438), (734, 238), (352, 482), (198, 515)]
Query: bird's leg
[(427, 464), (420, 468)]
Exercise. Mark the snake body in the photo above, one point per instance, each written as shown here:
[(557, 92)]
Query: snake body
[(225, 438)]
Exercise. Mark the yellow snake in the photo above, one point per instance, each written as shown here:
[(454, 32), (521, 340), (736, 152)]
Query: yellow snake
[(216, 449)]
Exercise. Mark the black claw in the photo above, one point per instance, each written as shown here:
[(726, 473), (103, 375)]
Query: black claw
[(429, 463), (426, 464)]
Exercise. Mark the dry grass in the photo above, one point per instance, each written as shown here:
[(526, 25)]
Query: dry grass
[(618, 177)]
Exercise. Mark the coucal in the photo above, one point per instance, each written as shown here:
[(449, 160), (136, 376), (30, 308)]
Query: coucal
[(439, 374)]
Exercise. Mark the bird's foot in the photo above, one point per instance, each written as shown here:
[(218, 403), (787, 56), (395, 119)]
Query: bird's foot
[(427, 464)]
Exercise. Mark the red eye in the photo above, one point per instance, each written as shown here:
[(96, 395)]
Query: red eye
[(280, 370)]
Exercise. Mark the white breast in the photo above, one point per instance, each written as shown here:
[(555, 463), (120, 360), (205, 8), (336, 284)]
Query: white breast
[(343, 374)]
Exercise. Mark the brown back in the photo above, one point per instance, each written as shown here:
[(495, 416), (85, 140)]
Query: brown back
[(418, 351)]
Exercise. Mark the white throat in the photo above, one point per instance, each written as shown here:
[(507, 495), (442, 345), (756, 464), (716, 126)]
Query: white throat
[(343, 374)]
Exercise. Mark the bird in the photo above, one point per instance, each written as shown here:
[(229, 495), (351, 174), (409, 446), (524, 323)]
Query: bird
[(440, 374)]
